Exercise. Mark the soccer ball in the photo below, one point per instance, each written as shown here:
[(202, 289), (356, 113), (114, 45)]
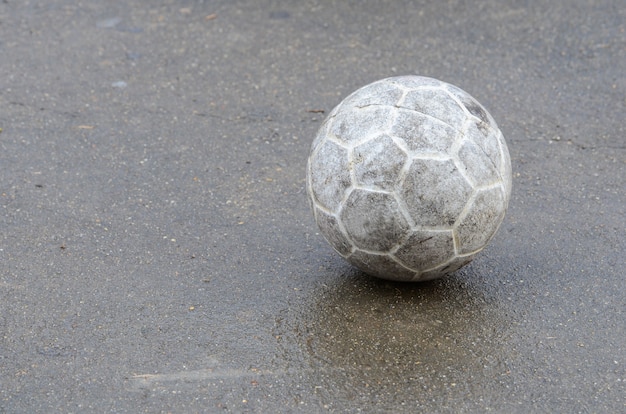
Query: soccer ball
[(409, 178)]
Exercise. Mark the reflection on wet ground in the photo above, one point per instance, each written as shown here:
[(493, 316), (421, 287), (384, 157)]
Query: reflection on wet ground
[(377, 341)]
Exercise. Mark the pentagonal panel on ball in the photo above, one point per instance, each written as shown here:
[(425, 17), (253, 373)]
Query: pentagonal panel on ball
[(378, 162), (435, 192), (373, 220), (472, 105), (426, 249), (381, 265), (482, 220), (436, 103), (357, 123), (487, 139), (422, 133), (329, 175), (478, 164), (322, 133), (329, 226)]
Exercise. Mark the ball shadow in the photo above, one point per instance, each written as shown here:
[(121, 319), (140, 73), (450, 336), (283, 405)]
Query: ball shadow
[(376, 340)]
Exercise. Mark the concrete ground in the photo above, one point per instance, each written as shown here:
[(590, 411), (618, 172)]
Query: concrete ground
[(157, 252)]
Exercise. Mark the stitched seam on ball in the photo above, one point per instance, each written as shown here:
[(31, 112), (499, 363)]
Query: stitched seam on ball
[(491, 127), (407, 109), (460, 165), (468, 205)]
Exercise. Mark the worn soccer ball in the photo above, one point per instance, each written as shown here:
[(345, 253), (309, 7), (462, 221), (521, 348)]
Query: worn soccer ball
[(409, 178)]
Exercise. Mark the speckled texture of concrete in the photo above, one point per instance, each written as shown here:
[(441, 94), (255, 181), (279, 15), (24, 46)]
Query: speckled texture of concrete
[(157, 251)]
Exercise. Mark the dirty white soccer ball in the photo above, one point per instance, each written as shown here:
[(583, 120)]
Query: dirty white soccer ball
[(409, 178)]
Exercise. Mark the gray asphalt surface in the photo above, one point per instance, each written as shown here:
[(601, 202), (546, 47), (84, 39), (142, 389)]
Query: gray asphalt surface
[(157, 252)]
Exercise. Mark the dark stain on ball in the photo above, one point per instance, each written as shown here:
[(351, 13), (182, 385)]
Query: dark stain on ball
[(478, 112), (425, 240)]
